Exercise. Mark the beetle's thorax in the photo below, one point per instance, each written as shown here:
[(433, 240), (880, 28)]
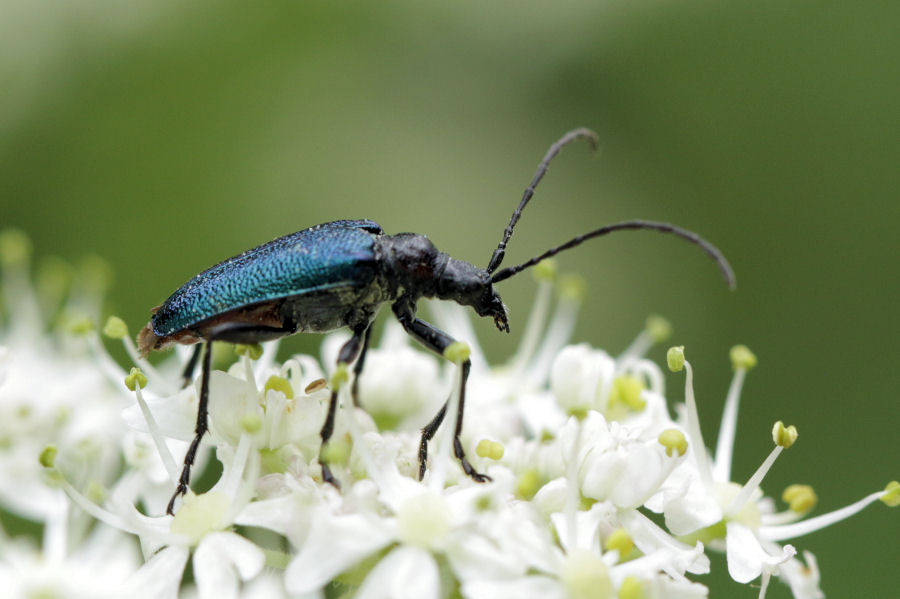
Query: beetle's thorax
[(418, 269), (410, 263)]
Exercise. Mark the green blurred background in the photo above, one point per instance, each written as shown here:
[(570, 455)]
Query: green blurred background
[(165, 137)]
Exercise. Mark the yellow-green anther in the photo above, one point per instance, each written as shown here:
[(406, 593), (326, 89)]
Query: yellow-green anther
[(457, 352), (620, 541), (632, 588), (545, 270), (674, 441), (254, 351), (627, 390), (528, 484), (15, 247), (251, 422), (784, 436), (95, 492), (658, 328), (53, 276), (80, 325), (340, 377), (201, 514), (276, 461), (742, 357), (675, 358), (336, 451), (578, 412), (95, 273), (115, 328), (279, 383), (48, 456), (891, 497), (800, 498), (135, 378), (573, 287), (492, 450), (586, 576)]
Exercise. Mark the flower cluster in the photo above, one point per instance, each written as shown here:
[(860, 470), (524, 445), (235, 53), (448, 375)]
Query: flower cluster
[(597, 490)]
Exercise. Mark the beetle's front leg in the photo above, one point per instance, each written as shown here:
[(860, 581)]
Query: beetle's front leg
[(354, 347), (437, 341)]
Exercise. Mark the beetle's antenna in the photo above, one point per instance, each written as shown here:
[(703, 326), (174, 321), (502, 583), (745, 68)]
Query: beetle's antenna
[(706, 246), (566, 139)]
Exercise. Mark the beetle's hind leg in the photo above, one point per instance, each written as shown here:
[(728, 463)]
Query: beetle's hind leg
[(355, 346), (199, 430), (234, 332)]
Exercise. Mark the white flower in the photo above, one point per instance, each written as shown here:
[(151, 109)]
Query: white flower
[(577, 442)]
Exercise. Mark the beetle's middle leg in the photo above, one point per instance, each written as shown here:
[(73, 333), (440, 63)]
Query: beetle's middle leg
[(188, 373), (355, 346), (437, 341), (358, 366), (235, 332)]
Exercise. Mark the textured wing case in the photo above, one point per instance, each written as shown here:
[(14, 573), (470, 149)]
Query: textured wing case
[(326, 256)]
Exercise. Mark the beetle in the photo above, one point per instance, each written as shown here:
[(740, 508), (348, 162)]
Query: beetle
[(336, 275)]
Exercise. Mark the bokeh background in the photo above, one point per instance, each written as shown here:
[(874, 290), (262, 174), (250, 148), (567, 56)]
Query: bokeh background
[(165, 136)]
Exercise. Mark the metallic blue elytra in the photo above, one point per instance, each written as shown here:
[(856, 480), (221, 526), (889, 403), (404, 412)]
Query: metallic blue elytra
[(337, 275), (329, 255)]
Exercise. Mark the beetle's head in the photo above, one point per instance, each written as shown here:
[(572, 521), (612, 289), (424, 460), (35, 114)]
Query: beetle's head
[(469, 285)]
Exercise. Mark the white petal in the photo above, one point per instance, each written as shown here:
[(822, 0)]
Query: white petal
[(803, 579), (527, 587), (746, 557), (690, 506), (405, 573), (160, 577), (650, 538), (334, 545), (219, 560)]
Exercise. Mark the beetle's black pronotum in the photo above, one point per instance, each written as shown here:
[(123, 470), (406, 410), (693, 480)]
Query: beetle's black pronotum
[(337, 275)]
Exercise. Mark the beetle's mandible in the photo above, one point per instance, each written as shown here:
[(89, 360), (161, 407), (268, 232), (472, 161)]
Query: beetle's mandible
[(337, 275)]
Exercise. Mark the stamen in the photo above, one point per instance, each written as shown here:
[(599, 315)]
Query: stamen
[(656, 330), (619, 540), (784, 437), (491, 450), (791, 531), (559, 331), (279, 383), (248, 353), (742, 360), (135, 381), (676, 361), (115, 328), (545, 274), (573, 488), (674, 442), (239, 463)]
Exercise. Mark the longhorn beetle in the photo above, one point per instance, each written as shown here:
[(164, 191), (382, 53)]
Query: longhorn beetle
[(337, 275)]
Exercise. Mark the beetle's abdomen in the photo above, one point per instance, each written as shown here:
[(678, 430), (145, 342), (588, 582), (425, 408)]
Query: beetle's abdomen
[(337, 254)]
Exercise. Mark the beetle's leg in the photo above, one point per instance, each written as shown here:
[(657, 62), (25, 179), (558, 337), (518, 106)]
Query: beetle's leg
[(224, 332), (358, 366), (188, 373), (349, 351), (437, 341)]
